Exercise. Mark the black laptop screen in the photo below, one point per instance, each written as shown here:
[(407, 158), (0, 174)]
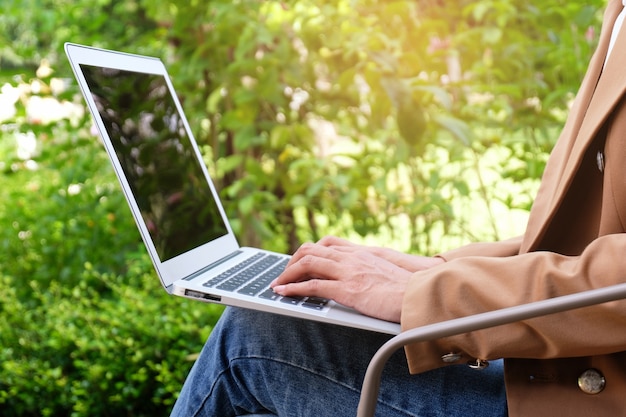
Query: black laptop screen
[(157, 158)]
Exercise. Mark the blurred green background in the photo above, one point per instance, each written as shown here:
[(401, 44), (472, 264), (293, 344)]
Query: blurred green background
[(419, 125)]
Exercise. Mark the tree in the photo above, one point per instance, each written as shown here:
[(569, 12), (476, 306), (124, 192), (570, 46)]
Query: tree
[(345, 112)]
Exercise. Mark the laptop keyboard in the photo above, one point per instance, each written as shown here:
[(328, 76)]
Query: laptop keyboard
[(253, 276)]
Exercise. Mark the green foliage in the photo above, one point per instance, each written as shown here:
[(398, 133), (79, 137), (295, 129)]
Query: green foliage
[(33, 30), (299, 102), (423, 125), (72, 350), (85, 328)]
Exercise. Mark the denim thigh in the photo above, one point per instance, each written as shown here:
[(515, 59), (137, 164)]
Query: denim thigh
[(266, 364)]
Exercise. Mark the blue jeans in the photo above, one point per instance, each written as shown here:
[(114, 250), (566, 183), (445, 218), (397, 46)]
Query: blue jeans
[(263, 364)]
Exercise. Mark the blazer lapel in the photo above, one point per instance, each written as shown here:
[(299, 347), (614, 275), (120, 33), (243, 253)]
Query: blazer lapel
[(608, 91), (599, 92)]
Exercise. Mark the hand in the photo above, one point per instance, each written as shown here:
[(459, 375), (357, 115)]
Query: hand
[(411, 263), (370, 280)]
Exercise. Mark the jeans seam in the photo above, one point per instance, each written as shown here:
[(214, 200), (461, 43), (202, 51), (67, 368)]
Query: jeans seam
[(209, 393)]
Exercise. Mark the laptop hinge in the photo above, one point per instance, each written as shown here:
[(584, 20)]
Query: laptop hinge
[(213, 265)]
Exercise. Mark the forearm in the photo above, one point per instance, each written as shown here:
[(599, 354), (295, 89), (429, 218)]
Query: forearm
[(471, 285)]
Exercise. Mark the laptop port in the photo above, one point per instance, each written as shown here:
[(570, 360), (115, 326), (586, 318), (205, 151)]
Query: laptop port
[(202, 295)]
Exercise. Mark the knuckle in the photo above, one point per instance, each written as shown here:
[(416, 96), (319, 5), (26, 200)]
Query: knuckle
[(314, 286), (307, 260), (306, 247)]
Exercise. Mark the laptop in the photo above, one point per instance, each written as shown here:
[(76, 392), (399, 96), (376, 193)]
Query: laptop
[(172, 198)]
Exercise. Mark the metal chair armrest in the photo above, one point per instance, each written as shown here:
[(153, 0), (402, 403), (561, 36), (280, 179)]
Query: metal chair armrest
[(371, 382)]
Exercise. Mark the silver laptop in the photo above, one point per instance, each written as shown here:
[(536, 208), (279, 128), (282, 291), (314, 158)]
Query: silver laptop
[(172, 198)]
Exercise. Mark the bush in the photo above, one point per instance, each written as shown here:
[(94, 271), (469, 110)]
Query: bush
[(85, 327), (72, 351)]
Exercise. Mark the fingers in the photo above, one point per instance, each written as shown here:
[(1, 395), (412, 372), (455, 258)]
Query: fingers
[(310, 261), (322, 249), (311, 288), (335, 241)]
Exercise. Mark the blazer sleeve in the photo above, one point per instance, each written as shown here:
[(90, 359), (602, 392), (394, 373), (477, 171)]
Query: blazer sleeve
[(502, 248), (474, 284)]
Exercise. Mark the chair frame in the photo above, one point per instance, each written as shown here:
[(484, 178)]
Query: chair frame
[(371, 383)]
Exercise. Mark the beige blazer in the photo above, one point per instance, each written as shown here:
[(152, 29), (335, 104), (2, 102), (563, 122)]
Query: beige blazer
[(569, 364)]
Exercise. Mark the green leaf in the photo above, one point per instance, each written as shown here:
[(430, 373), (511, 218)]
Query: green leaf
[(456, 127)]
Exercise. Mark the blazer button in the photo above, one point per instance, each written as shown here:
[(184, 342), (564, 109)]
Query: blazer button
[(451, 357), (600, 161), (478, 364), (591, 382)]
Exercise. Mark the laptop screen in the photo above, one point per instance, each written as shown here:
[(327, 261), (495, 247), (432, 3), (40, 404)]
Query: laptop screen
[(157, 158)]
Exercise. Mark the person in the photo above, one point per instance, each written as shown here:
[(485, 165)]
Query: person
[(571, 363)]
